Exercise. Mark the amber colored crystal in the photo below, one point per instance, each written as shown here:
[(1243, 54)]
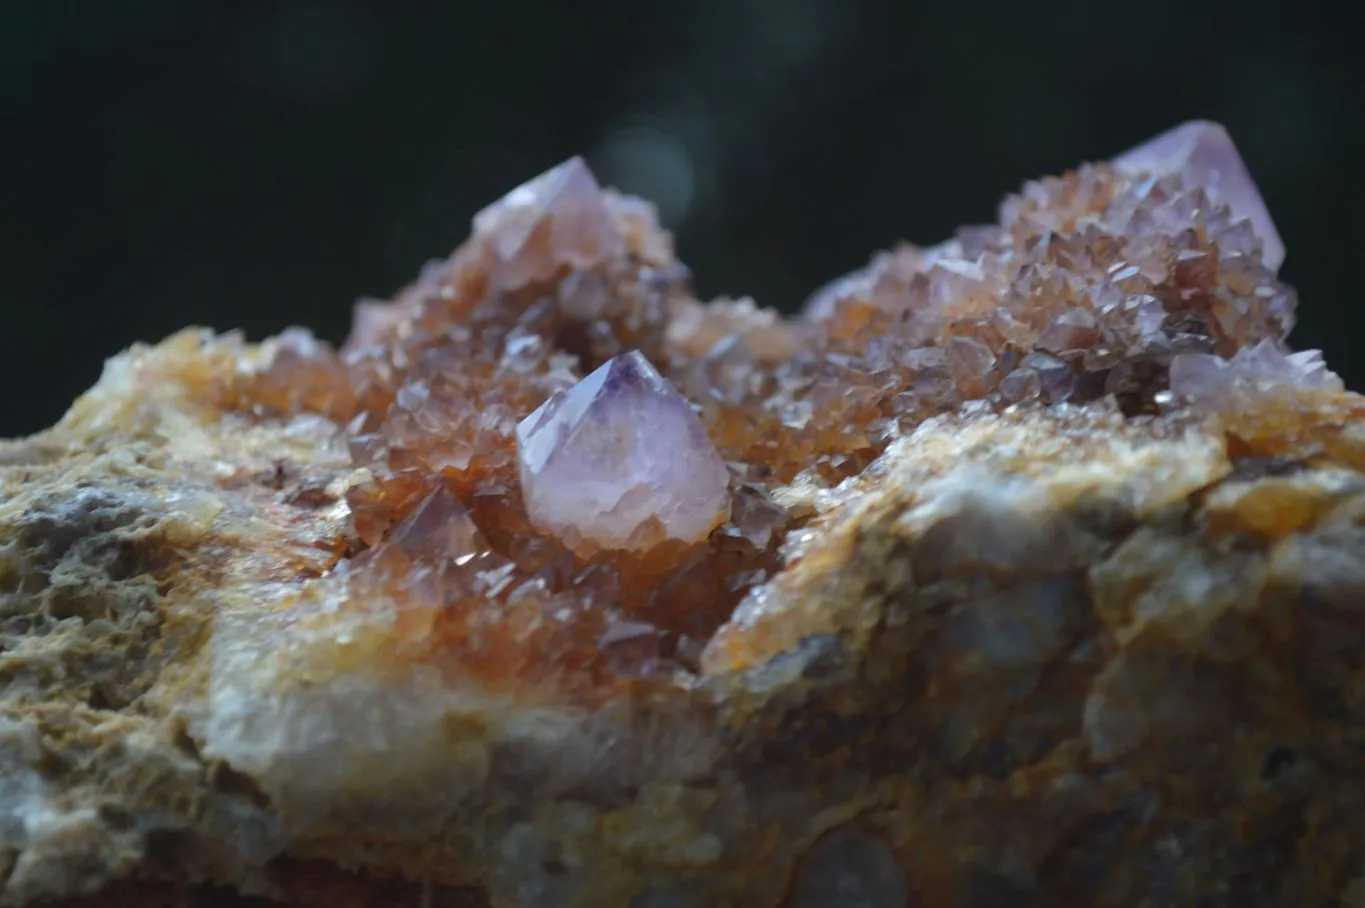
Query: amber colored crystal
[(1126, 283)]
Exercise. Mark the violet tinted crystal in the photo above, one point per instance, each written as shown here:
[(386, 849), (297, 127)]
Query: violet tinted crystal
[(1203, 154), (438, 530), (621, 460), (1265, 368), (560, 219)]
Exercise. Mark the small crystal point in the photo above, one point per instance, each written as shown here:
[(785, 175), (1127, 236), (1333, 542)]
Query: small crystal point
[(618, 457), (560, 218), (438, 529), (1203, 154)]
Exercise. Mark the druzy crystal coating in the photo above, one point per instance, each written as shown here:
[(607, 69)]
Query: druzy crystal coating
[(1204, 156), (1039, 583), (1254, 372), (613, 460), (621, 460), (558, 219)]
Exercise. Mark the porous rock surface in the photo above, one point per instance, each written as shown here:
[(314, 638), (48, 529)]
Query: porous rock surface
[(1042, 583)]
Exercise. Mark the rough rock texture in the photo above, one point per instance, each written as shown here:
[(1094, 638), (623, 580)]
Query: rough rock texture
[(1042, 583)]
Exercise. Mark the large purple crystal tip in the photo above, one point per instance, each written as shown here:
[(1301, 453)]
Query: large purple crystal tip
[(560, 218), (1203, 154), (621, 461)]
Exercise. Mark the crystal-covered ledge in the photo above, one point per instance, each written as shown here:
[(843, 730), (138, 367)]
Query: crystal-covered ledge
[(1024, 567)]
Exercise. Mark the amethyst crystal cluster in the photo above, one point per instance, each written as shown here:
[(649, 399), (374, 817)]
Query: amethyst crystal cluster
[(1022, 569), (1203, 155), (622, 450)]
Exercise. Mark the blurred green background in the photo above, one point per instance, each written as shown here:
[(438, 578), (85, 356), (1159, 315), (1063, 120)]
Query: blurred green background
[(259, 164)]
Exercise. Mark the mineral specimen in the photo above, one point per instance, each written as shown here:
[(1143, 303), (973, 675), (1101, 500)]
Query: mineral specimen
[(620, 460), (1023, 569)]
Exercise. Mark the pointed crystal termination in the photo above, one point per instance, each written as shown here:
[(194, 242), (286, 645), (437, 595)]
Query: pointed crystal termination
[(1203, 154), (621, 461), (561, 218), (439, 529)]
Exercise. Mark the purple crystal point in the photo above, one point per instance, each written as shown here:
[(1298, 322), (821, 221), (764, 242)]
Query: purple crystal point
[(1204, 156), (560, 218), (438, 529), (618, 458)]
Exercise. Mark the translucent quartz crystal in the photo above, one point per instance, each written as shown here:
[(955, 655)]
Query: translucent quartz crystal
[(559, 218), (1203, 154), (621, 461), (612, 533), (1027, 569), (1266, 368)]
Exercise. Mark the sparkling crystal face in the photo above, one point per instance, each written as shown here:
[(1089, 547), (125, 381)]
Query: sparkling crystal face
[(1203, 154), (621, 461)]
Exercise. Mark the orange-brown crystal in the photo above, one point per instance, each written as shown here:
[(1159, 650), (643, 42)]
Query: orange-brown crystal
[(1088, 287)]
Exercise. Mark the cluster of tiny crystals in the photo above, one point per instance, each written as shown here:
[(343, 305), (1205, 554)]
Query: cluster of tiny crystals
[(565, 463)]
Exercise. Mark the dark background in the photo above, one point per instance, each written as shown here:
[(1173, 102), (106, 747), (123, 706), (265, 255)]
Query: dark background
[(257, 164)]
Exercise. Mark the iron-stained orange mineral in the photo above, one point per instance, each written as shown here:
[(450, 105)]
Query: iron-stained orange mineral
[(1025, 569)]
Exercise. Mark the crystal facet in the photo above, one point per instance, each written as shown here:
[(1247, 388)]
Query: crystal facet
[(1203, 154), (1266, 369), (560, 218), (621, 461)]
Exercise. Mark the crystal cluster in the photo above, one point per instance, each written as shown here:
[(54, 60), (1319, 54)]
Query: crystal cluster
[(1203, 154), (1027, 568), (1253, 374), (513, 389)]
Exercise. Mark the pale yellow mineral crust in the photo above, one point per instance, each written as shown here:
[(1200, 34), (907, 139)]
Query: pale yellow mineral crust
[(1040, 581)]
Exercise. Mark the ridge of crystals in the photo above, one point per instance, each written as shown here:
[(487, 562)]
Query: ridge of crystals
[(620, 460), (567, 464), (1204, 155)]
